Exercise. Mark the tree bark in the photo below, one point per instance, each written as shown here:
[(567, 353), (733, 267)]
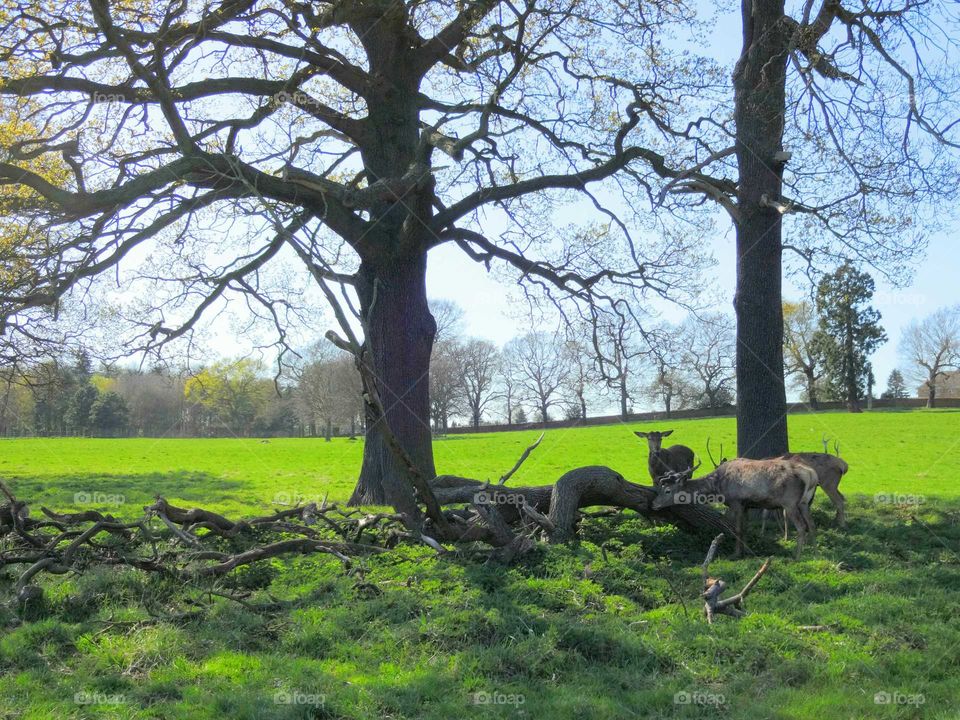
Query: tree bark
[(812, 392), (400, 333), (578, 488), (623, 399), (931, 395), (850, 380), (760, 98)]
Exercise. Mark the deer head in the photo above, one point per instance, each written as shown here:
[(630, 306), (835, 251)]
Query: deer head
[(654, 439), (670, 490)]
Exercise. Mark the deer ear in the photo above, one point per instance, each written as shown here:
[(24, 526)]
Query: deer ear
[(639, 434), (664, 434)]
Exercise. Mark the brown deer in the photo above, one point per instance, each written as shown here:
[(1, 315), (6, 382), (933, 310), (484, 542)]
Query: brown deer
[(663, 461), (830, 470), (742, 483)]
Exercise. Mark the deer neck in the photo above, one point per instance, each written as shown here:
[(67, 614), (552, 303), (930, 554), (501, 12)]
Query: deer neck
[(707, 485)]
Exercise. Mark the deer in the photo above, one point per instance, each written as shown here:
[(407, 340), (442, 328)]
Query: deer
[(662, 461), (830, 470), (742, 483)]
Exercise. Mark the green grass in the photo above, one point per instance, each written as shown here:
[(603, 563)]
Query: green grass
[(609, 627)]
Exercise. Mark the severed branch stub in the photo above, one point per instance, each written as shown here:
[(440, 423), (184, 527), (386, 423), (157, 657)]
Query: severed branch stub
[(713, 588), (526, 453)]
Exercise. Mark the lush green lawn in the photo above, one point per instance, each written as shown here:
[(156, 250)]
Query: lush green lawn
[(609, 627), (897, 452)]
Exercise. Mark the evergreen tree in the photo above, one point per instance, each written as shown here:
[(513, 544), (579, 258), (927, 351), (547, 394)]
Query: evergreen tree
[(108, 414), (849, 331), (78, 409), (896, 386)]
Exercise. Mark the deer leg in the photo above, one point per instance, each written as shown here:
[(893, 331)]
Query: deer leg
[(737, 517), (763, 522), (807, 518), (794, 514), (833, 492)]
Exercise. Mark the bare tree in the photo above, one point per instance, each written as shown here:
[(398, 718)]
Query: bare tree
[(708, 358), (508, 382), (581, 377), (618, 359), (227, 141), (479, 360), (800, 355), (155, 401), (328, 390), (447, 396), (668, 385), (542, 369), (932, 346), (449, 318)]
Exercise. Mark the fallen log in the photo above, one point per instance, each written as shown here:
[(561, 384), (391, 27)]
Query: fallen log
[(593, 485)]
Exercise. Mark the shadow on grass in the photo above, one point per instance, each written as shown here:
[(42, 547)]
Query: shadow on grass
[(599, 628), (126, 492)]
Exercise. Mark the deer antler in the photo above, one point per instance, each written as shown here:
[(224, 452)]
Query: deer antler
[(836, 448), (710, 454), (825, 440)]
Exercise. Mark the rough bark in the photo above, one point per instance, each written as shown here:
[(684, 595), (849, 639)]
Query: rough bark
[(812, 399), (401, 331), (850, 371), (579, 488), (759, 95), (624, 410)]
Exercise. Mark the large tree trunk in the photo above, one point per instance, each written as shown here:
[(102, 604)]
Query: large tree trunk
[(401, 330), (850, 379), (931, 395), (812, 391), (760, 92), (624, 411)]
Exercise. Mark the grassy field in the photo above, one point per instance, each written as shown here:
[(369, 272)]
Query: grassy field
[(609, 627)]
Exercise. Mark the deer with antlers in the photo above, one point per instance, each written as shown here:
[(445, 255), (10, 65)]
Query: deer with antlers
[(741, 483), (830, 469), (663, 461)]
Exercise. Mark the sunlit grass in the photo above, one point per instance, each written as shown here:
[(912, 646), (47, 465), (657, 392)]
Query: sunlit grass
[(609, 627)]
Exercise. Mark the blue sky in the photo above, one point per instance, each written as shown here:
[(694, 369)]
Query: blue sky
[(491, 308)]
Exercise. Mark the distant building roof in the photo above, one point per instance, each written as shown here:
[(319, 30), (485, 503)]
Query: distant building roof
[(948, 386)]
